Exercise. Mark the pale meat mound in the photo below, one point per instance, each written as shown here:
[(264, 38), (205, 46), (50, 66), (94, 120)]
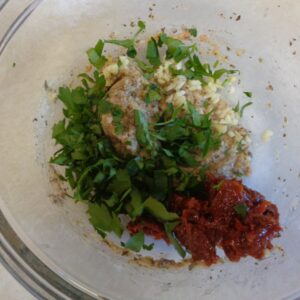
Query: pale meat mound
[(128, 88)]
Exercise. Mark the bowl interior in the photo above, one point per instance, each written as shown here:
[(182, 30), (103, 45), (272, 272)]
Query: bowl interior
[(50, 46)]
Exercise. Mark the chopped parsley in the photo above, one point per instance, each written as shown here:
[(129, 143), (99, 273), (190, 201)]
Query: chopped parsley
[(176, 49), (136, 242), (95, 55), (142, 130), (129, 44), (152, 53)]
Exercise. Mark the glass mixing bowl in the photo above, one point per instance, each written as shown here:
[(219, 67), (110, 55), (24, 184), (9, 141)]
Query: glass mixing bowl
[(47, 242)]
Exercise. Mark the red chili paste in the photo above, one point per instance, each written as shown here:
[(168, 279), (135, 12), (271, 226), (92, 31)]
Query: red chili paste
[(213, 221)]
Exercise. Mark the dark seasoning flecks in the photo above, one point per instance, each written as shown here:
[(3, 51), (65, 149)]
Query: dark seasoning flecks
[(151, 13), (291, 44)]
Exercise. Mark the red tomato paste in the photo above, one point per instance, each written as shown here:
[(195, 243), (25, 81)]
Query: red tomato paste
[(230, 216)]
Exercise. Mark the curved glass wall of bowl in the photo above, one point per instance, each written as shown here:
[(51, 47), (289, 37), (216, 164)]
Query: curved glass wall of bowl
[(2, 4), (50, 247), (18, 259)]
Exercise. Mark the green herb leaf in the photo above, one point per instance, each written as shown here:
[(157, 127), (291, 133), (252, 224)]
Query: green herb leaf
[(116, 225), (129, 44), (117, 119), (196, 117), (175, 48), (135, 165), (243, 108), (187, 156), (104, 106), (144, 67), (193, 32), (241, 209), (158, 210), (112, 201), (58, 129), (121, 182), (60, 159), (136, 207), (102, 219), (142, 130), (65, 95), (216, 63), (237, 108), (95, 55), (141, 25), (169, 227), (173, 131), (148, 247), (99, 47), (136, 242), (240, 110), (219, 73), (248, 94), (152, 53), (200, 69), (161, 186), (78, 96), (153, 94)]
